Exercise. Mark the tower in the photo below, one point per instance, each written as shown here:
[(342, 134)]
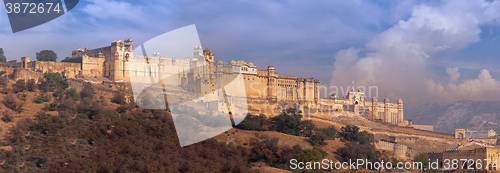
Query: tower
[(271, 84), (25, 61), (375, 108), (400, 111), (209, 56), (116, 64), (387, 113)]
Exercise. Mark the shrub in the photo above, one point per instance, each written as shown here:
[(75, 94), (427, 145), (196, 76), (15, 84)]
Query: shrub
[(22, 96), (19, 86), (4, 81), (352, 134), (87, 91), (308, 155), (7, 118), (290, 122), (55, 80), (5, 90), (31, 85), (13, 103), (118, 98), (121, 109), (355, 151), (103, 100), (318, 138), (258, 123), (68, 105), (51, 107), (41, 98), (72, 94)]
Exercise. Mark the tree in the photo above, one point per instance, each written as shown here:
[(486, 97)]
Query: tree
[(423, 158), (20, 86), (308, 155), (119, 98), (31, 85), (2, 56), (290, 122), (46, 55), (3, 81), (352, 134)]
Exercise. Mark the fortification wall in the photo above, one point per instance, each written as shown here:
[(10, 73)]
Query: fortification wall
[(423, 127), (400, 151), (26, 74), (55, 67), (7, 70)]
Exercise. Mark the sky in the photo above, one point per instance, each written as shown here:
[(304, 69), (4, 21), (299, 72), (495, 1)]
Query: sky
[(419, 51)]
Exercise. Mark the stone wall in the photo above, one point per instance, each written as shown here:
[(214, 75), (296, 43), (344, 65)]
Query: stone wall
[(423, 127), (400, 151), (26, 74), (7, 70)]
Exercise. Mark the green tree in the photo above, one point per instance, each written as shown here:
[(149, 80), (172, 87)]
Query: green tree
[(422, 157), (308, 155), (46, 55), (290, 122), (352, 134), (2, 56)]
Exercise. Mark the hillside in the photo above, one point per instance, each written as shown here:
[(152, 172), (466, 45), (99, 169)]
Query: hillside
[(61, 125), (483, 115)]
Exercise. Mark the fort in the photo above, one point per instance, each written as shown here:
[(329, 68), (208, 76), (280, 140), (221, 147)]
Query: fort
[(117, 63)]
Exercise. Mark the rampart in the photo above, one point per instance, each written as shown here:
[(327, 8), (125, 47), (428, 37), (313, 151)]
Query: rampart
[(400, 151)]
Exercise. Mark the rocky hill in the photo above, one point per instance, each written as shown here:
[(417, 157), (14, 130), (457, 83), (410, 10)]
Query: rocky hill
[(484, 115)]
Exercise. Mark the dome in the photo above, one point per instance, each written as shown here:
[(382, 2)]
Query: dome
[(232, 62), (270, 67), (374, 99), (400, 101), (207, 50), (386, 100), (241, 62), (130, 39), (250, 64), (219, 61)]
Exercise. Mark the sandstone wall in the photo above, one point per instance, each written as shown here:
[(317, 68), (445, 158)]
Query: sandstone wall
[(26, 74), (400, 151), (423, 127)]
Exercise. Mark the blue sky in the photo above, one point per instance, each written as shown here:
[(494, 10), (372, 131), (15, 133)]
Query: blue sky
[(303, 38)]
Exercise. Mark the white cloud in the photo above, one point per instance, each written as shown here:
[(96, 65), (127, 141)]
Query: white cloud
[(483, 88), (109, 9), (396, 59), (453, 72)]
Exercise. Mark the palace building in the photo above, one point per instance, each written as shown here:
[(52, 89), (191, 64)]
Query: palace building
[(118, 63)]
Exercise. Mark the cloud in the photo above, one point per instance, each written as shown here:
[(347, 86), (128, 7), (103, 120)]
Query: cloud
[(484, 87), (396, 59), (453, 72), (109, 9)]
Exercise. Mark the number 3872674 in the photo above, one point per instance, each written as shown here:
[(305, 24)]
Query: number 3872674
[(32, 7)]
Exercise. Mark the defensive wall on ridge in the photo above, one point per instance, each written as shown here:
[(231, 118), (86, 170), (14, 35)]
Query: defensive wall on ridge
[(400, 151)]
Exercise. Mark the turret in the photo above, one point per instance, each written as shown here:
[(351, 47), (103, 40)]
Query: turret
[(400, 111), (270, 68), (375, 108), (209, 56), (387, 117)]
